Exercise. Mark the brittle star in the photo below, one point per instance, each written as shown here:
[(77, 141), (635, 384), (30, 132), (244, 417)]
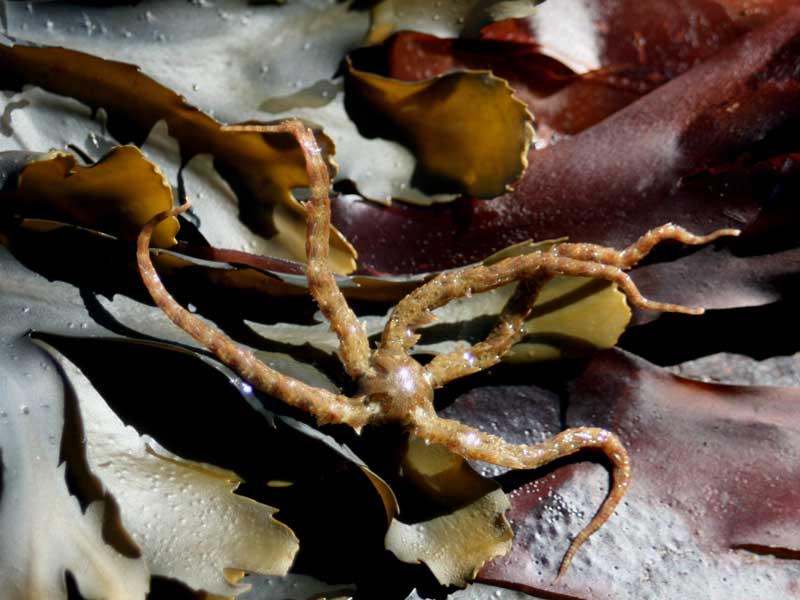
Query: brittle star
[(394, 387)]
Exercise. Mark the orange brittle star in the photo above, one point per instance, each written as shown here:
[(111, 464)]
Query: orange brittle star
[(394, 387)]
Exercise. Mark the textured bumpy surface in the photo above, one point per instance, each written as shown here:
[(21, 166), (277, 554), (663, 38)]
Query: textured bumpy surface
[(395, 388)]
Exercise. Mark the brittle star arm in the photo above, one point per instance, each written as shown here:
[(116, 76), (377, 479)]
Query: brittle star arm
[(474, 444), (508, 331), (415, 309), (630, 256), (322, 404), (353, 343)]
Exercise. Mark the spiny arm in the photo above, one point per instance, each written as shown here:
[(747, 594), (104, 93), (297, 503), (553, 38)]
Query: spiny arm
[(507, 332), (630, 256), (474, 444), (322, 404), (415, 309), (353, 342)]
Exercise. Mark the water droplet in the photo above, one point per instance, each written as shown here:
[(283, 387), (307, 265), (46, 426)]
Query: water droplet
[(192, 308), (26, 310), (24, 409)]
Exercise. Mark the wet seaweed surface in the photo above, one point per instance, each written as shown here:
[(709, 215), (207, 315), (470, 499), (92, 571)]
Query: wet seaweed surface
[(670, 112)]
